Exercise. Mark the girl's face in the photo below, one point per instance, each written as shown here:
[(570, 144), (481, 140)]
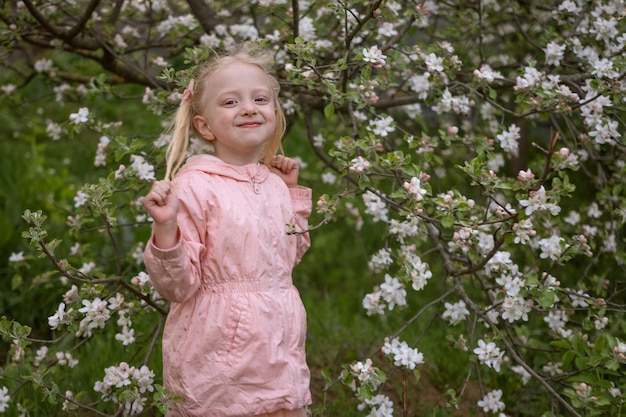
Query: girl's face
[(239, 115)]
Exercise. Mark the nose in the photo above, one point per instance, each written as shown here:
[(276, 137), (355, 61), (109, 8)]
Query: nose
[(248, 108)]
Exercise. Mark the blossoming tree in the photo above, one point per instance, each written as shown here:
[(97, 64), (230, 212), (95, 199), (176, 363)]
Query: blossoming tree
[(485, 139)]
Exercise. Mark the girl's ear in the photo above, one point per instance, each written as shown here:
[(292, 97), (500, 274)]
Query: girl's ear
[(203, 128)]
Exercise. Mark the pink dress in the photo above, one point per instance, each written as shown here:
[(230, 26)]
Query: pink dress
[(234, 340)]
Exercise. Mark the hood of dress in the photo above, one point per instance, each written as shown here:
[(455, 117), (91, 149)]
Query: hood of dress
[(213, 165)]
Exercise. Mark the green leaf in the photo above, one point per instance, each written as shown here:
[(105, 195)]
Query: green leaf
[(546, 298), (447, 221), (329, 111)]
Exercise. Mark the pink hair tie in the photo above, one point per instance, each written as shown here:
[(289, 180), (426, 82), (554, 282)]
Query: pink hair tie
[(188, 93)]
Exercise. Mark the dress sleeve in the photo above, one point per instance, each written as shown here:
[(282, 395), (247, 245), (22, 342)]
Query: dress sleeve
[(176, 272), (301, 198)]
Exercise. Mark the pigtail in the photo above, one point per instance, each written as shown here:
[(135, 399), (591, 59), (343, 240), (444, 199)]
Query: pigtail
[(275, 145), (177, 148)]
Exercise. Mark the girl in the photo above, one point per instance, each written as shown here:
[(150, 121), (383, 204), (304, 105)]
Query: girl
[(228, 230)]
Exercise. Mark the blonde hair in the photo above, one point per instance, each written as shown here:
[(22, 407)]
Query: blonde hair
[(182, 124)]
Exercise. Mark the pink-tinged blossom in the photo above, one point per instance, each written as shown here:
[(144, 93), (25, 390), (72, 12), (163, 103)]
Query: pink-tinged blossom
[(414, 189), (537, 201), (433, 63), (487, 74), (620, 351), (359, 165), (100, 159), (96, 314), (489, 354), (124, 379), (82, 116), (492, 402), (374, 56), (530, 78), (366, 373), (455, 312), (148, 96)]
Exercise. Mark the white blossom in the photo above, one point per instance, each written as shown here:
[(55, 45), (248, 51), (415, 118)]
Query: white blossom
[(455, 312), (402, 354), (5, 398), (489, 354), (82, 116), (492, 402)]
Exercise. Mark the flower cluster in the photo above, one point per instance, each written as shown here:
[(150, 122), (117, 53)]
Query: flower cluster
[(402, 354), (388, 295), (489, 354), (129, 383)]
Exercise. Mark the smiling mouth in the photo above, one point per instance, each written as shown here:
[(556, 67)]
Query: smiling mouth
[(250, 124)]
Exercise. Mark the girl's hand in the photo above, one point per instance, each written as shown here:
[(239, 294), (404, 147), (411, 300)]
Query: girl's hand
[(162, 206), (286, 168)]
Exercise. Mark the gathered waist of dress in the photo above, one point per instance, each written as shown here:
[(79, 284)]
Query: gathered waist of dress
[(243, 286)]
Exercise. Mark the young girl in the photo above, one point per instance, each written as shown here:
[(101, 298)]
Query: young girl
[(228, 230)]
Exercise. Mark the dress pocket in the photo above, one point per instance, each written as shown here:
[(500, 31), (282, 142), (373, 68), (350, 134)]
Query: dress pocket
[(234, 331)]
